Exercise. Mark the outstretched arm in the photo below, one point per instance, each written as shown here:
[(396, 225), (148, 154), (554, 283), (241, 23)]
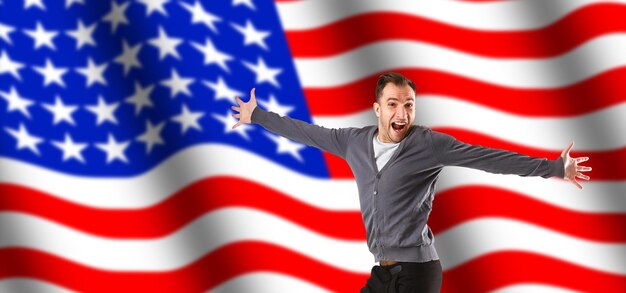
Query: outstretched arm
[(452, 152), (332, 140)]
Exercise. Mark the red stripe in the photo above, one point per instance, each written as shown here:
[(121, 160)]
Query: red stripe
[(502, 269), (181, 208), (596, 93), (207, 272), (355, 31), (602, 162), (337, 167), (453, 207), (456, 206)]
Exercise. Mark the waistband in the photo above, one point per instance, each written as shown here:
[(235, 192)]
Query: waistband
[(408, 254)]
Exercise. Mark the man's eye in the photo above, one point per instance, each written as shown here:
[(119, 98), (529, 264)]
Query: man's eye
[(409, 105), (391, 105)]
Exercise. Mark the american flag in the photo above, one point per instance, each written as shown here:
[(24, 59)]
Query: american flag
[(119, 170)]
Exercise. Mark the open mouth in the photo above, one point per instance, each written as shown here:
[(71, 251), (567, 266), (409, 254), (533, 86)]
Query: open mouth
[(398, 125)]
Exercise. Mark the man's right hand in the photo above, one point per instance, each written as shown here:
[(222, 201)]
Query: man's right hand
[(244, 111)]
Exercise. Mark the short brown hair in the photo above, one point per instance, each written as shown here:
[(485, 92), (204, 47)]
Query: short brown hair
[(391, 77)]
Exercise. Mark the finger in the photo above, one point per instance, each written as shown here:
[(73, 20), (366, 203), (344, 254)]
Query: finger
[(236, 108), (252, 96), (237, 125), (567, 149), (577, 184), (581, 159), (239, 101), (583, 168), (582, 176), (238, 116)]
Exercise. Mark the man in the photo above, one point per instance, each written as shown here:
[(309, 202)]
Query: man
[(396, 166)]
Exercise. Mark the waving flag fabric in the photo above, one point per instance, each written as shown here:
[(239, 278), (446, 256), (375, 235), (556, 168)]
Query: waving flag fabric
[(119, 171)]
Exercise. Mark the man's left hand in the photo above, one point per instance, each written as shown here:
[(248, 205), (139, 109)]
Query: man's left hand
[(572, 167)]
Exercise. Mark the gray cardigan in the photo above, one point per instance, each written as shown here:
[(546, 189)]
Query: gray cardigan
[(396, 202)]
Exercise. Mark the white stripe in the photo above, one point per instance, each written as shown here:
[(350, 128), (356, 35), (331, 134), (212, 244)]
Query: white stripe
[(455, 246), (497, 15), (267, 283), (599, 130), (148, 189), (30, 285), (479, 237), (190, 165), (204, 235), (596, 197), (535, 288), (587, 60)]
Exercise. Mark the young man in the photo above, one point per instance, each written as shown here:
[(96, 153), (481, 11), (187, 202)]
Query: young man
[(396, 165)]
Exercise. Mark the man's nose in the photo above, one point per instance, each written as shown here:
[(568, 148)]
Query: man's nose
[(401, 113)]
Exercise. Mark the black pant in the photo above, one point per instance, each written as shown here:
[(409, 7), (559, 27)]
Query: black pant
[(405, 277)]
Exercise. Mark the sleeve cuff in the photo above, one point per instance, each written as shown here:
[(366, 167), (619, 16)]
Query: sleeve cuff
[(257, 115), (558, 168)]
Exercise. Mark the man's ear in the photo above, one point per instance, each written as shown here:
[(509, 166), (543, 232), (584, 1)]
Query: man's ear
[(376, 109)]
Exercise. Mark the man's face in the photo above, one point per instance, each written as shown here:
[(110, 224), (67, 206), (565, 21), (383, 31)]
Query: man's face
[(395, 112)]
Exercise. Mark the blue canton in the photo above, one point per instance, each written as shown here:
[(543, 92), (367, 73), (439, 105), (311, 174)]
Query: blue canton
[(113, 88)]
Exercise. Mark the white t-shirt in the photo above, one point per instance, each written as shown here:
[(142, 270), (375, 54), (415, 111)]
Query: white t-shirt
[(383, 151)]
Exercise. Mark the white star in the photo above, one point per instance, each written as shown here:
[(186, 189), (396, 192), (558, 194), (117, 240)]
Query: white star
[(141, 97), (51, 74), (69, 3), (178, 84), (24, 139), (38, 3), (83, 35), (61, 112), (128, 58), (212, 55), (273, 106), (114, 149), (117, 15), (42, 37), (152, 135), (264, 73), (286, 146), (222, 91), (200, 15), (10, 66), (165, 44), (16, 102), (252, 35), (93, 73), (70, 149), (188, 119), (228, 120), (104, 111), (152, 5), (244, 2), (5, 30)]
